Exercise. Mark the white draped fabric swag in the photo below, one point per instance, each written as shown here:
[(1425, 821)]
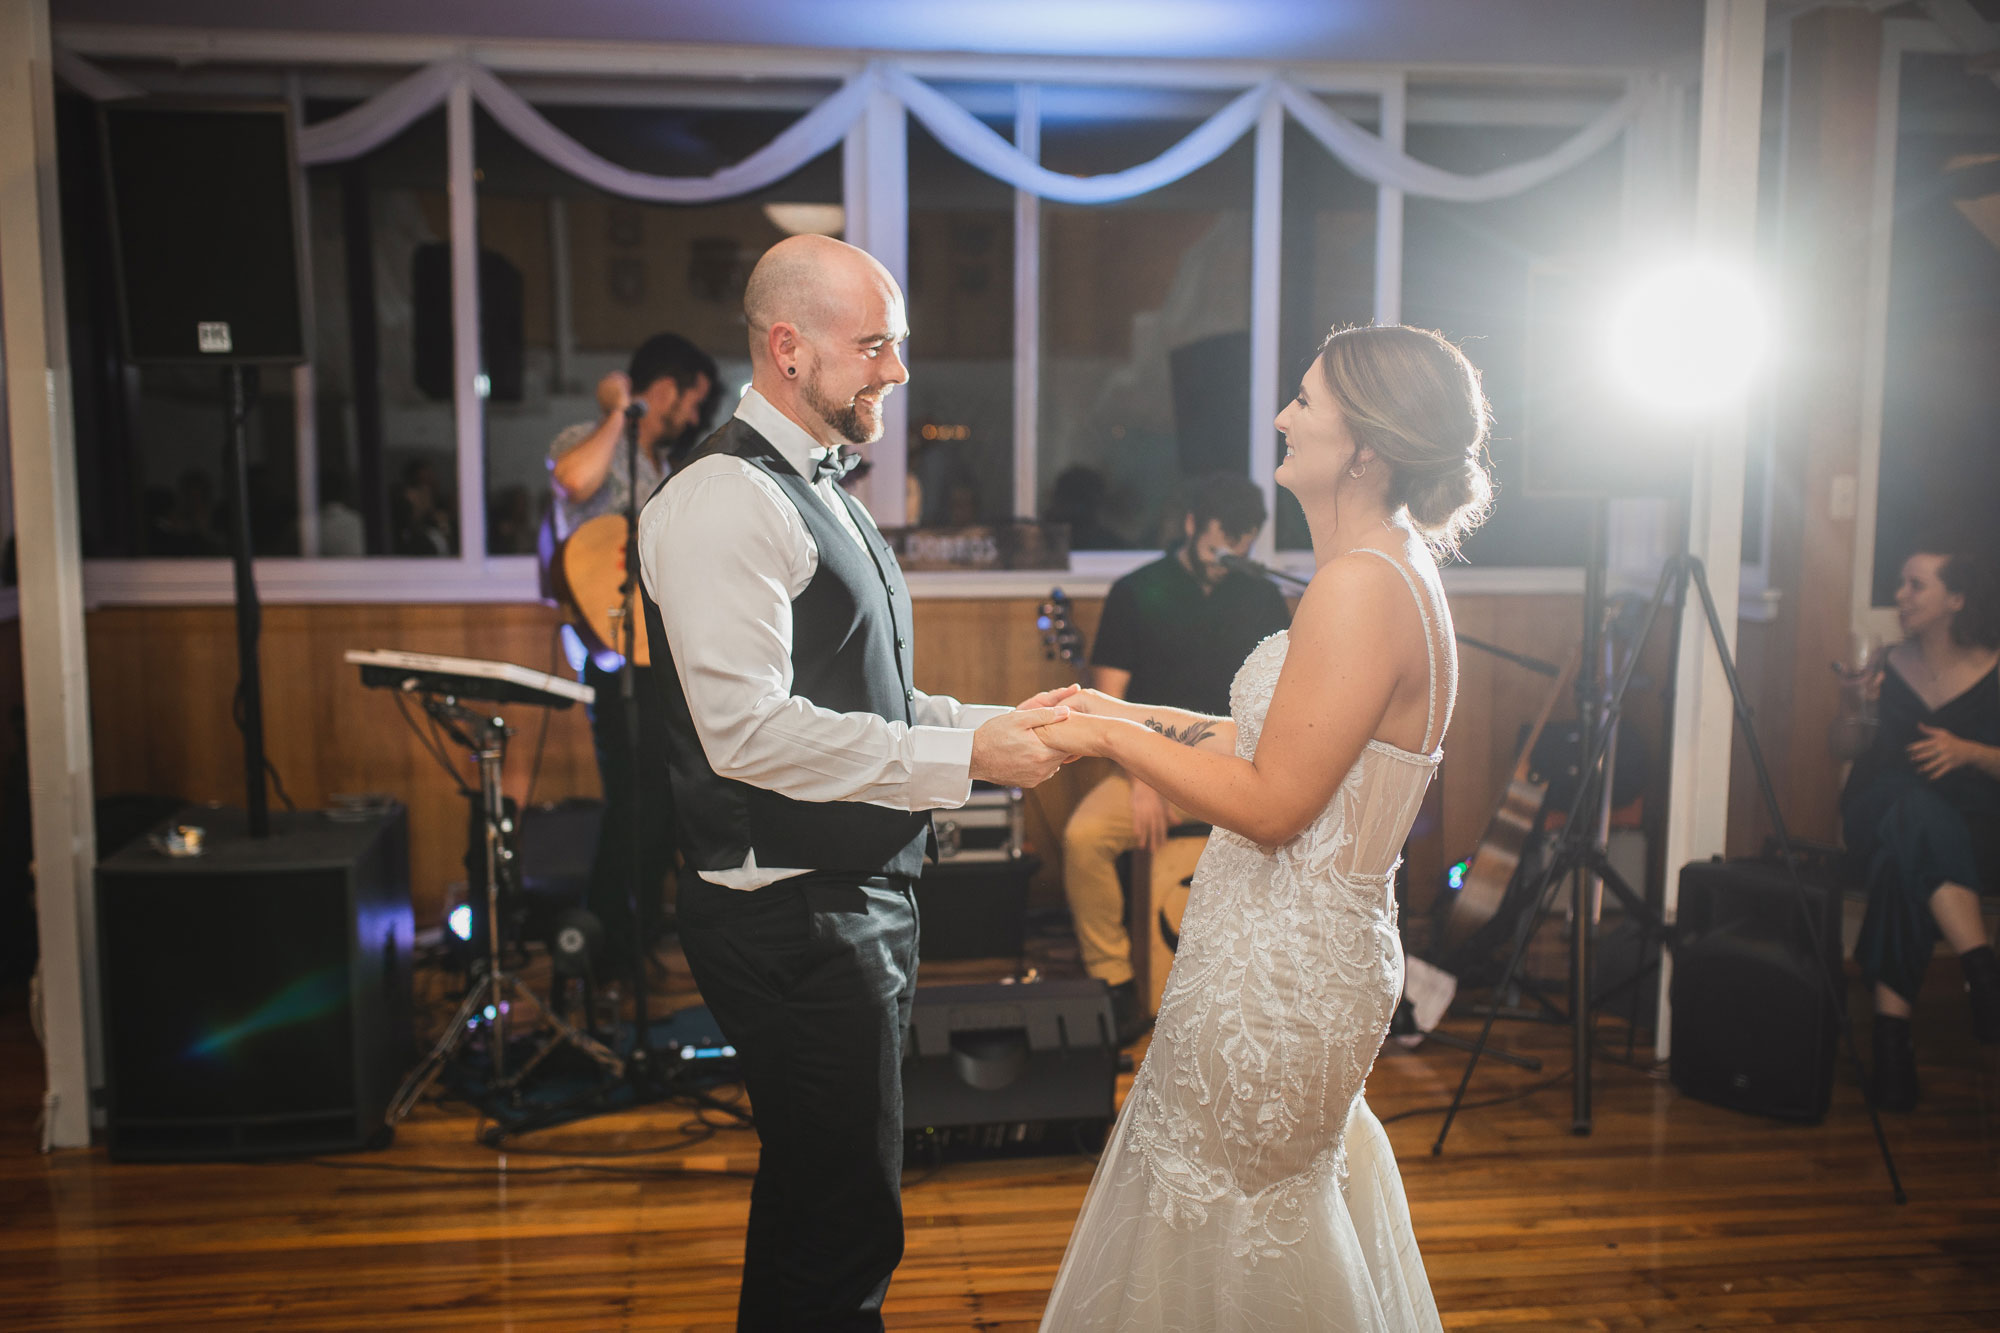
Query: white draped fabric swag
[(382, 117)]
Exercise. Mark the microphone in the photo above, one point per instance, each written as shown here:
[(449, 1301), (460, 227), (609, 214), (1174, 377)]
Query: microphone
[(1237, 564), (635, 409)]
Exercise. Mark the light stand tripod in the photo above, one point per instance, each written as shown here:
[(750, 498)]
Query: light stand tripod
[(495, 988), (1578, 852)]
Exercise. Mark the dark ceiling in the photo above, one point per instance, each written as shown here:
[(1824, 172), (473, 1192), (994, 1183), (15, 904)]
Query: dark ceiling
[(1527, 32)]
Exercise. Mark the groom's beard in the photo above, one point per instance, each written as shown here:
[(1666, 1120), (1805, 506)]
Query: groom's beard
[(858, 421)]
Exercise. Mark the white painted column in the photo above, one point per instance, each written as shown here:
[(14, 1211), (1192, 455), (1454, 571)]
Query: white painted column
[(884, 231), (305, 412), (1267, 236), (42, 445), (468, 403), (1027, 307), (1732, 88), (1389, 208)]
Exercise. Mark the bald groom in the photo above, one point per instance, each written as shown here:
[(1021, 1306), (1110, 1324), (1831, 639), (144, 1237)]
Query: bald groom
[(805, 764)]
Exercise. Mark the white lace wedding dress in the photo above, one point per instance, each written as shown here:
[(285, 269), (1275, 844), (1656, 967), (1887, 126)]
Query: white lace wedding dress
[(1247, 1185)]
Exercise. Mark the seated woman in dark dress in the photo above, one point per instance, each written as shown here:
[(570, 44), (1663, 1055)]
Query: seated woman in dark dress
[(1921, 807)]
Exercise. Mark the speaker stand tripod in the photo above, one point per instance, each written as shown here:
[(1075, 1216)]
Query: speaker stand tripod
[(494, 990)]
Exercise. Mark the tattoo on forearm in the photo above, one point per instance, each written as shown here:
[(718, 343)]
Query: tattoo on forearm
[(1194, 733)]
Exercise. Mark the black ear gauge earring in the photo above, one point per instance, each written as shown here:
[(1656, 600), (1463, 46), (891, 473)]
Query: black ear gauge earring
[(792, 371)]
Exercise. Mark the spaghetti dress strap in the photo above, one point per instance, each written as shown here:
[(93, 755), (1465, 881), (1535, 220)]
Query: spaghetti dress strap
[(1424, 609)]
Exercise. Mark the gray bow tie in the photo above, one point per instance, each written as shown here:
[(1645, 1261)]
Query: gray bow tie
[(834, 465)]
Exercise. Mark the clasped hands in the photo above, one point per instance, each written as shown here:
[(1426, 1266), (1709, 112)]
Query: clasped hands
[(1027, 746)]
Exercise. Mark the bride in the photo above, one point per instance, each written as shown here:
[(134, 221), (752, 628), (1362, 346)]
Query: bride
[(1247, 1185)]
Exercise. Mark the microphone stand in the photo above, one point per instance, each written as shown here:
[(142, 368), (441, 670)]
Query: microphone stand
[(642, 1065)]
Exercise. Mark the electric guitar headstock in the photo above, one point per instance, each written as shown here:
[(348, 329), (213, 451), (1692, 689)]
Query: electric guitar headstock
[(1061, 640)]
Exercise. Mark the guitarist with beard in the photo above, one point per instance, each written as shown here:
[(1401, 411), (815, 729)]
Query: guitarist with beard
[(678, 385)]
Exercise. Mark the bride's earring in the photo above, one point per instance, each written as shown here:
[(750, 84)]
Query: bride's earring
[(1358, 472)]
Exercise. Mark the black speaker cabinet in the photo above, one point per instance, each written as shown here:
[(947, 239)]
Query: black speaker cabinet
[(1755, 1027), (974, 909), (256, 998), (999, 1054), (501, 327), (204, 232)]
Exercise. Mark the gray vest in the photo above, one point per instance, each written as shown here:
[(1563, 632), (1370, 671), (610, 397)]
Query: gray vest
[(851, 653)]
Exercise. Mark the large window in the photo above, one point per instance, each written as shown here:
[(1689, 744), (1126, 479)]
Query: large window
[(1077, 363), (574, 279), (1467, 270), (1327, 268), (961, 350), (1145, 320), (387, 447), (1940, 469)]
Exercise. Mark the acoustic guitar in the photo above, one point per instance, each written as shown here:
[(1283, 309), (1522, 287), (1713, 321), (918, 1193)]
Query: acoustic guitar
[(1490, 869), (586, 575)]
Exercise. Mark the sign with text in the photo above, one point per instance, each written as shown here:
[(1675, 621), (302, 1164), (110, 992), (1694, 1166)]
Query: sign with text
[(982, 546)]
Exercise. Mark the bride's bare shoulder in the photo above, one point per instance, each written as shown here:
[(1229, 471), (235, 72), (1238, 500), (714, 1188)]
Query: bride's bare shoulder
[(1353, 591)]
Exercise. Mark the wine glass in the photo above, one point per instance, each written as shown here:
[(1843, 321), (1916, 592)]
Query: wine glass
[(1860, 673)]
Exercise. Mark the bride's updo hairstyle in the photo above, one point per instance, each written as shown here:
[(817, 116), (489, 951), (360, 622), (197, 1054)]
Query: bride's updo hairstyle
[(1413, 398)]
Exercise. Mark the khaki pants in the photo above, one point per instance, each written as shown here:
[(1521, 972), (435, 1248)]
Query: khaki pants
[(1099, 830)]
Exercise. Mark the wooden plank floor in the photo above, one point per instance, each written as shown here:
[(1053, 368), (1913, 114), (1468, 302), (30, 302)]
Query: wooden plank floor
[(1672, 1215)]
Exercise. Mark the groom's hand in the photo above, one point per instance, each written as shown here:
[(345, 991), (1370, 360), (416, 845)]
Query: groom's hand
[(1007, 751)]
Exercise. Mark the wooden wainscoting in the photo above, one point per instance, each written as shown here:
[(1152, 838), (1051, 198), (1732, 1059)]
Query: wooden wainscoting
[(161, 681)]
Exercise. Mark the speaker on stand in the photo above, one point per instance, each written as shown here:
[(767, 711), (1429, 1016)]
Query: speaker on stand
[(205, 244)]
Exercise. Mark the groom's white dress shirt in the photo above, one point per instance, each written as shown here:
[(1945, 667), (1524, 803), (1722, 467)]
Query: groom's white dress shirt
[(724, 553)]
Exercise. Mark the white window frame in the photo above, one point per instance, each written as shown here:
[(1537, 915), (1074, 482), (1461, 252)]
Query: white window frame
[(875, 189)]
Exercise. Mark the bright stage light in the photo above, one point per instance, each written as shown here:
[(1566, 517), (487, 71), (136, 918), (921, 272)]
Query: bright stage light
[(460, 921), (1688, 338)]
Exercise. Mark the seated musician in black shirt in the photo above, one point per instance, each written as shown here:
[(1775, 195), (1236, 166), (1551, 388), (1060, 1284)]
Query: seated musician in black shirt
[(1173, 633)]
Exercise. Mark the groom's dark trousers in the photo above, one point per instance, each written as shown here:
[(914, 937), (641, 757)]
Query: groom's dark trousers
[(811, 980)]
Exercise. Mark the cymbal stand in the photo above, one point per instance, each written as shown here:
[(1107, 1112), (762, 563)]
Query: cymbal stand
[(495, 990)]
